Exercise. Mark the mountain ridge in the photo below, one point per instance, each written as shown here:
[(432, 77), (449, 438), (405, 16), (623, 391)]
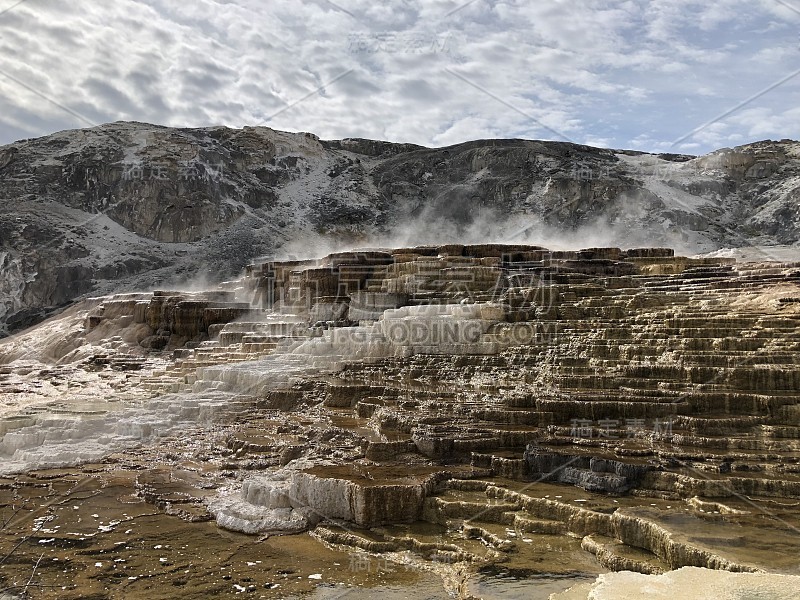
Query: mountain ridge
[(132, 206)]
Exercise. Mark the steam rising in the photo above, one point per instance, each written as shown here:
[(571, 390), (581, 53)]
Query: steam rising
[(486, 226)]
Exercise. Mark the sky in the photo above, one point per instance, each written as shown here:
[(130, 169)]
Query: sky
[(660, 75)]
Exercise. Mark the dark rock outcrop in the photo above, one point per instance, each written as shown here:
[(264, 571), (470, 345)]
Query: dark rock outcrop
[(592, 474)]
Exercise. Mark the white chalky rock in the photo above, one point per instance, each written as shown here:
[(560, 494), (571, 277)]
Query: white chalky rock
[(687, 582), (236, 514)]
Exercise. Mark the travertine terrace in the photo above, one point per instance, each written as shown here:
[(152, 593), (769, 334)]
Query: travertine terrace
[(463, 410)]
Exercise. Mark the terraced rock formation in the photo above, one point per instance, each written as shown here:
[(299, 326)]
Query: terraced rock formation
[(488, 413)]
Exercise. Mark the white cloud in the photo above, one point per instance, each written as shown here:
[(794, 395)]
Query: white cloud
[(637, 73)]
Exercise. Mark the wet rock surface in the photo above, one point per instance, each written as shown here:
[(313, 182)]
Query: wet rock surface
[(498, 419)]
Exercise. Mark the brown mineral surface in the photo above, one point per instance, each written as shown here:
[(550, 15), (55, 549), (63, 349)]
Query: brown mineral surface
[(473, 421)]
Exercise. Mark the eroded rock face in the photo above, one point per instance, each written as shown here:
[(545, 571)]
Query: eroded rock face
[(131, 206), (469, 407), (589, 473)]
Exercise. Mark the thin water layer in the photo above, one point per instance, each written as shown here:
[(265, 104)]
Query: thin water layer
[(512, 585), (89, 532), (123, 532)]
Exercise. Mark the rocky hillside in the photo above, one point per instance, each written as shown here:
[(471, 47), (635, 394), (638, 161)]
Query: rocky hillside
[(130, 206)]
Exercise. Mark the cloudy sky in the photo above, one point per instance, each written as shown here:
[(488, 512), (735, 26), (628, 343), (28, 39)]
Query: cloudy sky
[(658, 75)]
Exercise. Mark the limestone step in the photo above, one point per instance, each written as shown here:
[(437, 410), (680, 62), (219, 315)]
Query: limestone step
[(617, 556)]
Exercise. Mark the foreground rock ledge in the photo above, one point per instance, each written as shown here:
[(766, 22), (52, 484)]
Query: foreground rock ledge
[(687, 582)]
